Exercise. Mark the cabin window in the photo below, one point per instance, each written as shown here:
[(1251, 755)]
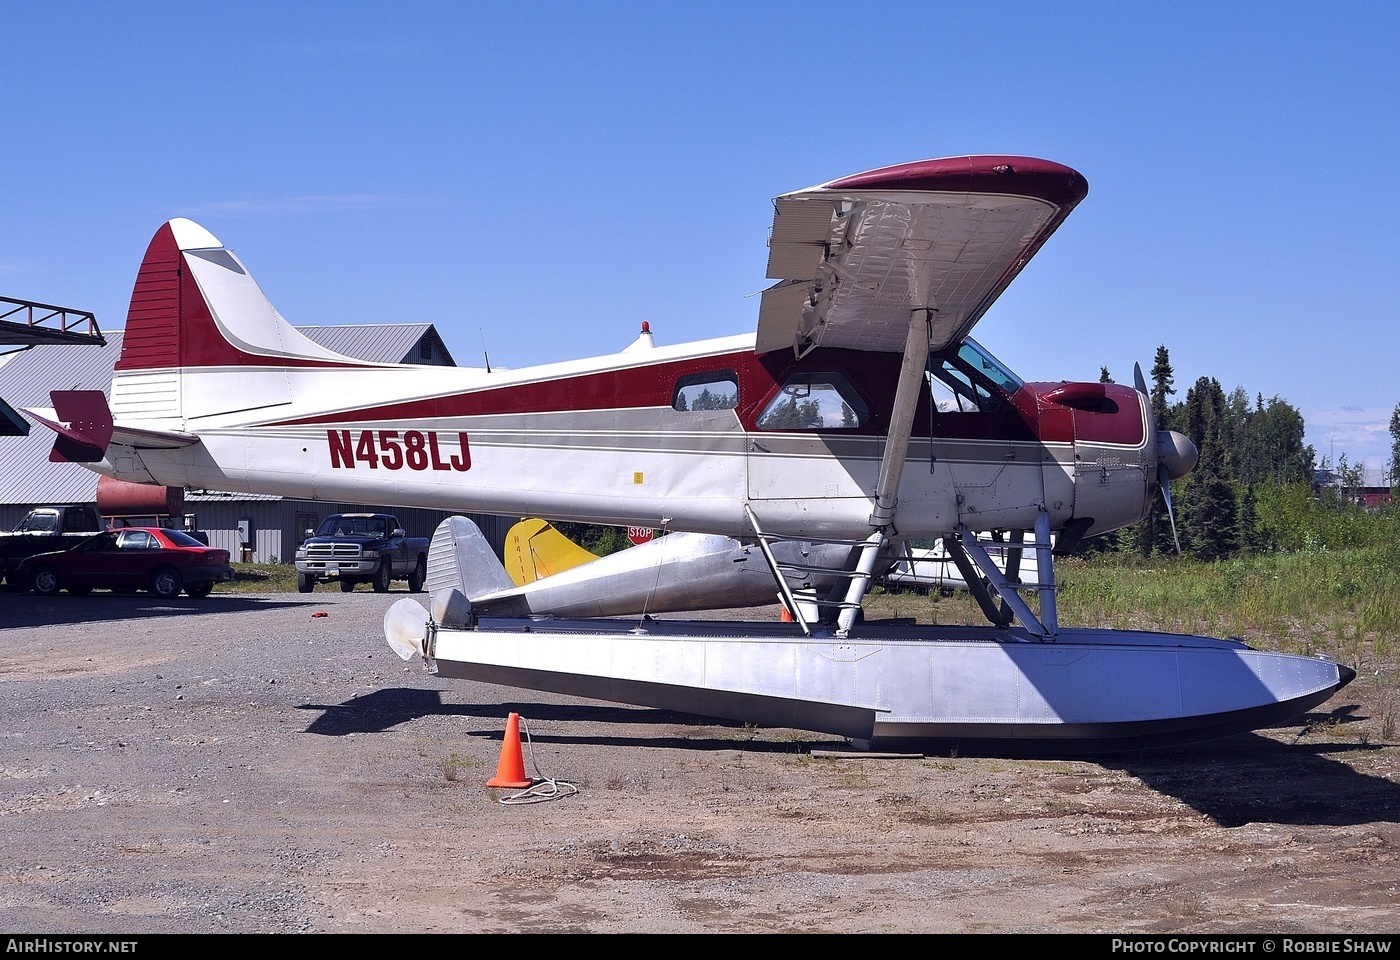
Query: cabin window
[(717, 390), (815, 401)]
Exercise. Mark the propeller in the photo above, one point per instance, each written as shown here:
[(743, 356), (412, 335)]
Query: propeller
[(406, 627), (1176, 455)]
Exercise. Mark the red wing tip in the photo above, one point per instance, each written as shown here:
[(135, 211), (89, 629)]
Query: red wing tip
[(1019, 176)]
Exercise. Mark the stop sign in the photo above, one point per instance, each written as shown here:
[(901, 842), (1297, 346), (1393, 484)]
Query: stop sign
[(639, 535)]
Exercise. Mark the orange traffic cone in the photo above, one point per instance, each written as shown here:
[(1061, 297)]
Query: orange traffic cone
[(785, 616), (510, 771)]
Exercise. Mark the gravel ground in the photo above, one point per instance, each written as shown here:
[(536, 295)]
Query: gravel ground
[(243, 764)]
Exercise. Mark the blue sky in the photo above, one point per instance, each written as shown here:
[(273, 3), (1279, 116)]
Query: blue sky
[(537, 179)]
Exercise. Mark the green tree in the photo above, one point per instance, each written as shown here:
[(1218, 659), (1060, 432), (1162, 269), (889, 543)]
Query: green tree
[(1208, 516), (1154, 533), (1395, 447), (1163, 379), (1272, 449)]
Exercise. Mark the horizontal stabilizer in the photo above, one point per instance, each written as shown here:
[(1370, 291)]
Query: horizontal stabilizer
[(83, 424)]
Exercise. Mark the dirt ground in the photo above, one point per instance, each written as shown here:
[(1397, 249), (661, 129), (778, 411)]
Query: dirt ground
[(243, 764)]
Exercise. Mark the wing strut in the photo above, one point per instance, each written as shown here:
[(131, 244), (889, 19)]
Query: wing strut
[(911, 378), (784, 589), (906, 397)]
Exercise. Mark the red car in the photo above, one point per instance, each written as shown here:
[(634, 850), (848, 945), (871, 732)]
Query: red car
[(131, 558)]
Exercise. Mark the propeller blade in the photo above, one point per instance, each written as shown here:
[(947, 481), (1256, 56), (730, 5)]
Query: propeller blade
[(406, 627), (1164, 481), (1138, 380)]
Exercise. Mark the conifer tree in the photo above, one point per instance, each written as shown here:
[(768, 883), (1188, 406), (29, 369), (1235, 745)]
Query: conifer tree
[(1154, 533), (1208, 514), (1395, 447)]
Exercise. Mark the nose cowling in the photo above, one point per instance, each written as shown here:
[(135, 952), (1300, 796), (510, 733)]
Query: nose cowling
[(1177, 453)]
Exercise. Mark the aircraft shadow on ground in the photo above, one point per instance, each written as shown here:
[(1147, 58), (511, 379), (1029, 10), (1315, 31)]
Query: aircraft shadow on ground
[(384, 709), (1252, 778), (1246, 778), (20, 610)]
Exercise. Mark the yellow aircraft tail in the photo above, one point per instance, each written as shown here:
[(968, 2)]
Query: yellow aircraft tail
[(535, 550)]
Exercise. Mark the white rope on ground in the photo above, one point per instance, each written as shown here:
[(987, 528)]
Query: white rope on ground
[(544, 788)]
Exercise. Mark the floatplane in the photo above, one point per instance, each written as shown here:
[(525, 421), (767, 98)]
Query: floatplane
[(860, 416)]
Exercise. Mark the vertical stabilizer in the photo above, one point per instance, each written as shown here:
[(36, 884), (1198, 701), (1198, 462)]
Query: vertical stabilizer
[(195, 306), (461, 558), (535, 550)]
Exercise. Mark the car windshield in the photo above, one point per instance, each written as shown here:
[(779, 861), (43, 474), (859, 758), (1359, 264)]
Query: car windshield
[(38, 523), (181, 539), (343, 526)]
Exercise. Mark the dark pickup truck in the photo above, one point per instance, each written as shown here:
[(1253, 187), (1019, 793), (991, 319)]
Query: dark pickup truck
[(361, 548), (45, 530)]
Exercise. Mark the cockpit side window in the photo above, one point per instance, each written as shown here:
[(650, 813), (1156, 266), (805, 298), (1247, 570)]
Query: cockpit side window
[(716, 390), (815, 401)]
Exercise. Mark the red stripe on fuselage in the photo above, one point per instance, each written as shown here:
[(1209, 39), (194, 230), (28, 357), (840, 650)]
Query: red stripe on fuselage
[(874, 375)]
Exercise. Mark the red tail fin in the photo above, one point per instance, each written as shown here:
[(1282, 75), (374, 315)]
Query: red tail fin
[(195, 305)]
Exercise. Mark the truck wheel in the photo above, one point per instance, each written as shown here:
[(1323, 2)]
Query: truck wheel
[(382, 576), (347, 585), (419, 574), (305, 583), (166, 583), (46, 582)]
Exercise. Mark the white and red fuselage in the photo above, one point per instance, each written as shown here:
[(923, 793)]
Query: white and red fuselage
[(600, 440), (595, 440)]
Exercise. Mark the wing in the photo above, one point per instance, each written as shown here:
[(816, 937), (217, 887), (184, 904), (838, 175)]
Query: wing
[(856, 255)]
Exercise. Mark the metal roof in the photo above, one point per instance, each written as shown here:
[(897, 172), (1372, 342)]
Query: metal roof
[(384, 342), (27, 376)]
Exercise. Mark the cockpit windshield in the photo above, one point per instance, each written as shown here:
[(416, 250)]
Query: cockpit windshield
[(970, 380), (976, 356)]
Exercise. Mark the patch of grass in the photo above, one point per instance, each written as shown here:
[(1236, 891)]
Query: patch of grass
[(453, 764), (261, 578)]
